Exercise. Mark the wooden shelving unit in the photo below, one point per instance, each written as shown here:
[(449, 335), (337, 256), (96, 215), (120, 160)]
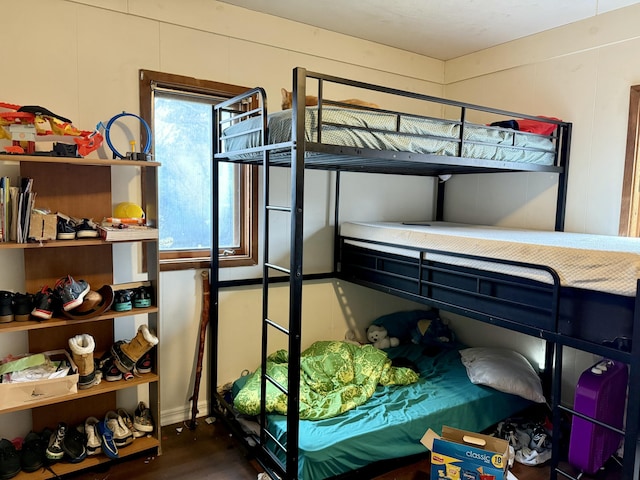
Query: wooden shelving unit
[(82, 188)]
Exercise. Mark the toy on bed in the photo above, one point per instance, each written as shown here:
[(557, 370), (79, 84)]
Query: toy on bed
[(422, 327)]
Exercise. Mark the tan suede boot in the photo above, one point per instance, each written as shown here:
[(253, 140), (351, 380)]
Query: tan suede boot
[(126, 354), (82, 347)]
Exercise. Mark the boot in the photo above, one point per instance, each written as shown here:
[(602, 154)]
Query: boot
[(126, 354), (82, 347)]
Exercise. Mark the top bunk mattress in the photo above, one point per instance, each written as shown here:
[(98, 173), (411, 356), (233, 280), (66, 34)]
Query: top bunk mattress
[(390, 131), (592, 262)]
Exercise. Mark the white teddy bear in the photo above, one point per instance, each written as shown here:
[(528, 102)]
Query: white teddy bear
[(378, 335)]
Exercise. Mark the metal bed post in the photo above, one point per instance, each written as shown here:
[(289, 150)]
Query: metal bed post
[(631, 453)]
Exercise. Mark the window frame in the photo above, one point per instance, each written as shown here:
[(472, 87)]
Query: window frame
[(247, 254)]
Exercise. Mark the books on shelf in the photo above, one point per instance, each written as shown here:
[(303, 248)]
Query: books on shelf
[(16, 205), (127, 232)]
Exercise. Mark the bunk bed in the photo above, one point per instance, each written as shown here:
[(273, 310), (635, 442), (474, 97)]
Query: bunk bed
[(518, 293)]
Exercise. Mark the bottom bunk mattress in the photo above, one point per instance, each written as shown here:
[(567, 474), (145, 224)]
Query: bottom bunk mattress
[(392, 422)]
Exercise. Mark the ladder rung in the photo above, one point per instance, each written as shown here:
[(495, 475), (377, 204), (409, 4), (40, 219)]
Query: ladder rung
[(278, 267), (276, 384), (277, 326), (278, 208), (274, 439)]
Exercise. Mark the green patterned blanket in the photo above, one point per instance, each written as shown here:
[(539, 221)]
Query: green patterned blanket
[(334, 378)]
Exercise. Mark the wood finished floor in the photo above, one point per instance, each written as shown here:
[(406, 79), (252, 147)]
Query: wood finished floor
[(209, 452)]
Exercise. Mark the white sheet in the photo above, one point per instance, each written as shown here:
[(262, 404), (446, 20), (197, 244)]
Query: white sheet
[(592, 262)]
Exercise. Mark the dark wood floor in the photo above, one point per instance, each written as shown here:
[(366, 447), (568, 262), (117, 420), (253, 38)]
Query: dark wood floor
[(209, 452)]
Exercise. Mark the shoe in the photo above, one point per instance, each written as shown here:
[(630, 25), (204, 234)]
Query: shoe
[(106, 440), (6, 306), (86, 229), (22, 306), (9, 460), (122, 436), (71, 293), (111, 372), (65, 227), (142, 420), (32, 456), (142, 297), (539, 439), (509, 433), (74, 446), (126, 354), (43, 304), (122, 301), (128, 421), (82, 347), (145, 364), (91, 434), (54, 450)]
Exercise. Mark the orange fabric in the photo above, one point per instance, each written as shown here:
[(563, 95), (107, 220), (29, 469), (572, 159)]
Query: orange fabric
[(537, 126)]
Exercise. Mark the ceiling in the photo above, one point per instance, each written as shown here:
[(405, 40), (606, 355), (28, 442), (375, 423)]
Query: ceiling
[(441, 29)]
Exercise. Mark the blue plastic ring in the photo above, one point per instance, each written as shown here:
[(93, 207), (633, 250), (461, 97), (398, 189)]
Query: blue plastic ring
[(107, 137)]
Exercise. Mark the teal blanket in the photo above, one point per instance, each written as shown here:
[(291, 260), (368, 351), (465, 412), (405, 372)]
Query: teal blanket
[(335, 377)]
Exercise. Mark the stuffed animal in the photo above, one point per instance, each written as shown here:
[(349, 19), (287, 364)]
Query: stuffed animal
[(432, 332), (378, 335)]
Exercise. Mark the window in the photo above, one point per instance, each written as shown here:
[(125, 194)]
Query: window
[(630, 206), (180, 112)]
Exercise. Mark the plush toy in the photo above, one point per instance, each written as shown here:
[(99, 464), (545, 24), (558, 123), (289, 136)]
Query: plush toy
[(432, 332), (378, 335)]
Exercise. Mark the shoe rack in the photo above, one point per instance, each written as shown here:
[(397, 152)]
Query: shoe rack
[(82, 188)]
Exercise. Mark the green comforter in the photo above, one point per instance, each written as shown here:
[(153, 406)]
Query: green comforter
[(334, 378)]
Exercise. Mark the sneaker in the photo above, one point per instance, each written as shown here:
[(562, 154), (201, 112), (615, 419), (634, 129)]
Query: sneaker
[(128, 421), (9, 460), (86, 228), (43, 304), (6, 306), (508, 432), (32, 453), (144, 364), (122, 436), (22, 306), (65, 227), (74, 446), (539, 439), (142, 297), (54, 450), (142, 419), (105, 434), (71, 293), (122, 300), (111, 372), (91, 434)]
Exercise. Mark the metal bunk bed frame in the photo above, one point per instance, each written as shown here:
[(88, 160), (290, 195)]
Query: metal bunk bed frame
[(327, 157)]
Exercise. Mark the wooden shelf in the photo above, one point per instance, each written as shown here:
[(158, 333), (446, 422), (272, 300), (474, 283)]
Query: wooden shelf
[(139, 445), (68, 243), (102, 387), (76, 161), (61, 322)]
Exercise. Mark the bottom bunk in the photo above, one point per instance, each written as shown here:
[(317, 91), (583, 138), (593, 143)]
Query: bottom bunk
[(391, 423)]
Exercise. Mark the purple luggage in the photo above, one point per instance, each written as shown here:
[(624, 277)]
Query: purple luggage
[(600, 394)]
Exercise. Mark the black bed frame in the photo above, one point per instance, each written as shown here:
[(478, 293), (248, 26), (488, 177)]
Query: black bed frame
[(547, 311)]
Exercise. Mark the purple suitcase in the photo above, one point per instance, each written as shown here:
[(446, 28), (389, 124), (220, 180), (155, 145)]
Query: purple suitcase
[(600, 394)]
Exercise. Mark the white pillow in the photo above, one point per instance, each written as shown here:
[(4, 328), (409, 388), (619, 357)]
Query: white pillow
[(504, 370)]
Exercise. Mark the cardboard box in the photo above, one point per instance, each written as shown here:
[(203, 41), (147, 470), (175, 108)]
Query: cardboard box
[(462, 455), (15, 395), (43, 227)]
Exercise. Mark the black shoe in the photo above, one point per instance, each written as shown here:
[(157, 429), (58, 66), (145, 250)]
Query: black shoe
[(54, 450), (145, 363), (9, 460), (86, 229), (73, 445), (43, 304), (32, 456), (65, 228), (6, 306), (142, 297), (122, 301), (22, 306)]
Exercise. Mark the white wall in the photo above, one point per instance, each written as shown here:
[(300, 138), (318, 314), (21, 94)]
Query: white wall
[(86, 68)]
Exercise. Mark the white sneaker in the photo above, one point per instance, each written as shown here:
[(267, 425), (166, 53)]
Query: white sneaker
[(93, 442), (122, 436), (128, 421)]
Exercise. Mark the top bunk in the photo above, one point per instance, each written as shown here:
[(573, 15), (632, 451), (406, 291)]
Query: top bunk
[(408, 133)]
